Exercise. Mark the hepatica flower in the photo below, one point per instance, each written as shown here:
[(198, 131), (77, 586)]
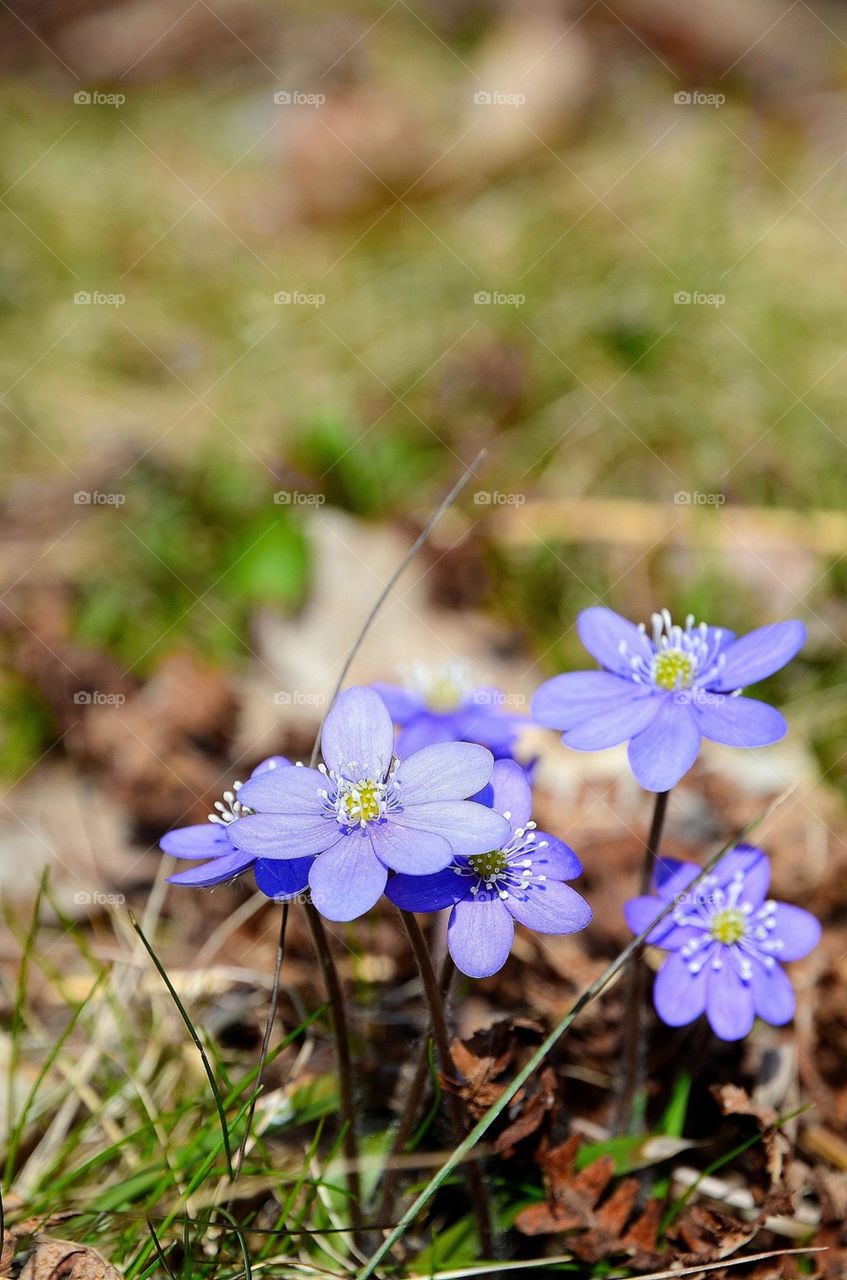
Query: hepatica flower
[(521, 878), (220, 860), (664, 690), (443, 705), (365, 812), (727, 942)]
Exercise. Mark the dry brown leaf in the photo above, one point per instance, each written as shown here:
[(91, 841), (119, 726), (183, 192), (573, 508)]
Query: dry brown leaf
[(64, 1260)]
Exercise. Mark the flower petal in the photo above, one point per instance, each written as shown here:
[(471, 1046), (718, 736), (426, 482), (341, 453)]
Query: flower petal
[(214, 872), (427, 893), (358, 732), (490, 727), (418, 853), (554, 859), (479, 935), (798, 930), (402, 703), (663, 752), (509, 792), (759, 654), (282, 878), (672, 877), (272, 762), (469, 827), (738, 722), (425, 730), (551, 907), (284, 835), (602, 632), (617, 724), (678, 994), (729, 1001), (444, 771), (773, 995), (565, 701), (640, 914), (205, 840), (755, 867), (295, 791), (348, 879)]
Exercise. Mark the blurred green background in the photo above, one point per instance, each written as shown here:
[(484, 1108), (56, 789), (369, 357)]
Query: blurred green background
[(283, 218)]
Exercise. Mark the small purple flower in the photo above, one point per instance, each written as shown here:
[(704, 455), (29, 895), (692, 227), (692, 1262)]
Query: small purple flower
[(222, 861), (364, 812), (519, 879), (663, 693), (444, 706), (727, 942)]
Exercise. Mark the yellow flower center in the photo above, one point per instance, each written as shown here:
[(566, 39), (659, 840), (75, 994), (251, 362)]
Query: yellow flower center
[(489, 865), (444, 693), (362, 802), (728, 925), (673, 669)]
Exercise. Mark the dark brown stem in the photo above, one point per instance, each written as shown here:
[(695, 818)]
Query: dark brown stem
[(635, 1020), (438, 1020), (343, 1063), (411, 1107)]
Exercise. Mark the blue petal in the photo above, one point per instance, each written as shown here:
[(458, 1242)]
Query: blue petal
[(214, 872), (293, 791), (567, 700), (272, 762), (602, 631), (425, 730), (469, 827), (402, 703), (552, 907), (405, 849), (554, 859), (444, 771), (358, 732), (280, 878), (479, 935), (205, 840), (509, 792), (755, 867), (663, 752), (348, 879), (284, 835), (759, 654), (773, 995), (672, 877), (729, 1001), (428, 893), (738, 722), (798, 930), (640, 914), (617, 724), (678, 994)]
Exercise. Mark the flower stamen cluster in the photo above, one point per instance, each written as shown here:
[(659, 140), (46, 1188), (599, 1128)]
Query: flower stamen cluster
[(682, 656), (507, 870), (359, 794)]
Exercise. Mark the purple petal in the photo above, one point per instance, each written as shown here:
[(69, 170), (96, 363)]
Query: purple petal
[(272, 762), (348, 879), (640, 914), (678, 994), (469, 827), (773, 995), (738, 722), (555, 860), (755, 867), (566, 700), (552, 907), (358, 731), (214, 872), (509, 792), (479, 935), (729, 1001), (672, 877), (445, 771), (798, 930), (759, 654), (205, 840), (617, 724), (280, 878), (602, 632), (284, 835), (663, 752), (418, 853), (425, 730), (490, 727), (402, 703), (293, 791), (428, 893)]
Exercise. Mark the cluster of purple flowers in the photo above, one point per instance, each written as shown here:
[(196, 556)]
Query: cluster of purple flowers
[(440, 816)]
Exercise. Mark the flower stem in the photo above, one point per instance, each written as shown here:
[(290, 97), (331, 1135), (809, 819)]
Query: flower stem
[(411, 1107), (438, 1019), (635, 1021), (343, 1063)]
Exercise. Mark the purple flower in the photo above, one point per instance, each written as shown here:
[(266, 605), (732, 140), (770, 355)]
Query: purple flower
[(211, 842), (364, 812), (663, 693), (519, 879), (443, 706), (726, 942)]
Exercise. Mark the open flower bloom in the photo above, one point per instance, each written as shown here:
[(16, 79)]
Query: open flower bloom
[(221, 860), (727, 941), (520, 879), (663, 692), (364, 812), (444, 706)]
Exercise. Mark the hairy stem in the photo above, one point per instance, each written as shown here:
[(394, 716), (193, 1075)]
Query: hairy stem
[(438, 1020), (635, 1017)]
